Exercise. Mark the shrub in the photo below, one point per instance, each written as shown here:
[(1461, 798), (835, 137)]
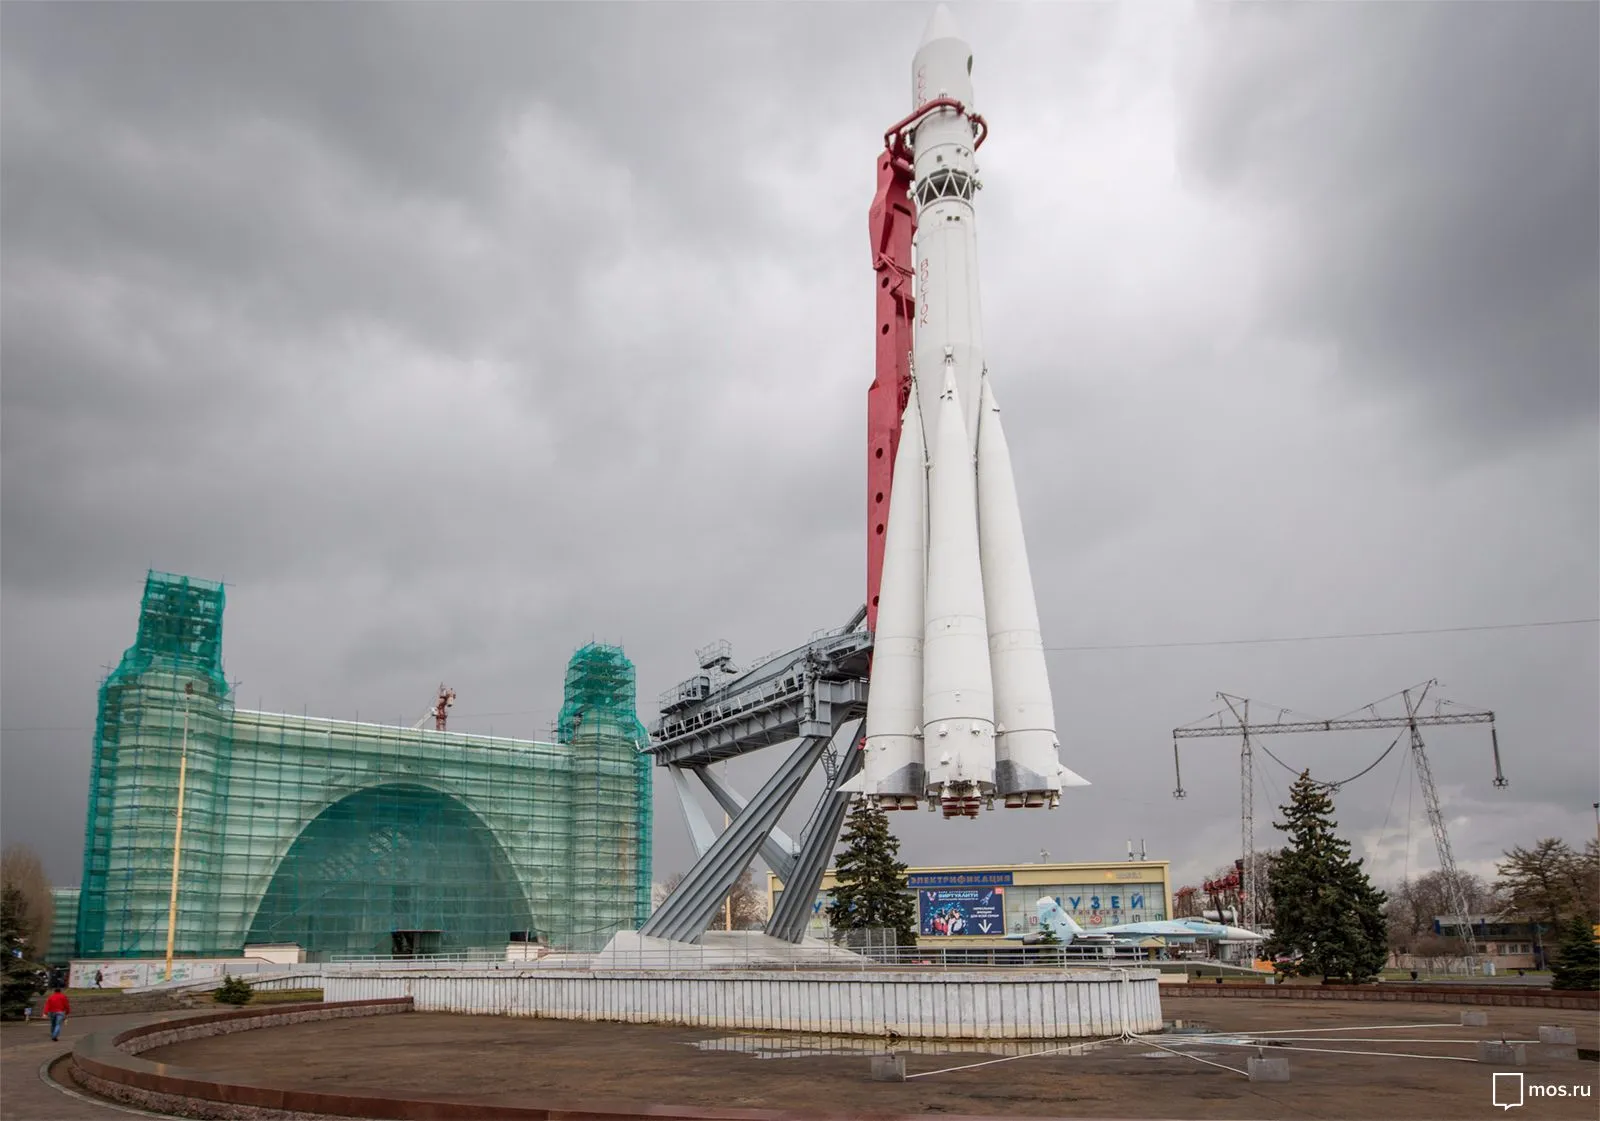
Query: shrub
[(233, 990), (1578, 963)]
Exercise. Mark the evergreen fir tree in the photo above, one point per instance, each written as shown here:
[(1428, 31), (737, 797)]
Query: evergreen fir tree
[(1327, 914), (870, 881), (233, 990), (21, 978), (1054, 949), (1578, 963)]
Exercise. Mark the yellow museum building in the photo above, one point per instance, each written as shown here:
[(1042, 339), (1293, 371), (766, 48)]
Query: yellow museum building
[(977, 905)]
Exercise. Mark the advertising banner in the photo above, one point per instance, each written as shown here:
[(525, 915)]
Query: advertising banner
[(957, 912), (817, 925), (132, 974), (959, 879), (113, 974)]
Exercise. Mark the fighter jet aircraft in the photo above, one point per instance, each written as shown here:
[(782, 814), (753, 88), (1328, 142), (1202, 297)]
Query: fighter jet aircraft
[(1053, 918)]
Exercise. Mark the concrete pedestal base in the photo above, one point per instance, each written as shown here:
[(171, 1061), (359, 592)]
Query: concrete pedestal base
[(888, 1068), (1268, 1070), (1502, 1054), (1558, 1043)]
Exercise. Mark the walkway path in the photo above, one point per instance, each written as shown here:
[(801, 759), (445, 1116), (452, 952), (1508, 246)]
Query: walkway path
[(24, 1048)]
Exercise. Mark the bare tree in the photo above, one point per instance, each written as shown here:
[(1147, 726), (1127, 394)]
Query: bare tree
[(659, 892), (1586, 881), (1226, 891), (21, 868), (1186, 902), (1266, 862), (749, 904), (1436, 952), (1414, 904)]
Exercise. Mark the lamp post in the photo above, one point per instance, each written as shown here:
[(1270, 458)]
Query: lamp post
[(177, 829), (727, 914)]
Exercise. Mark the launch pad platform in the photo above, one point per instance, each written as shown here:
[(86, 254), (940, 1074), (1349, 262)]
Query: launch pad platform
[(813, 697)]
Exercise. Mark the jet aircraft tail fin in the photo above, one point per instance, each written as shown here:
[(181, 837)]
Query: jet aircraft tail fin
[(1057, 921)]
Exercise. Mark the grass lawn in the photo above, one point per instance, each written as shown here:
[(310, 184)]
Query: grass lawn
[(286, 996)]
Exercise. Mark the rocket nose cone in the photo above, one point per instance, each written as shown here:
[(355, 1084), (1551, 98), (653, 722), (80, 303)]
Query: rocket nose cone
[(942, 25)]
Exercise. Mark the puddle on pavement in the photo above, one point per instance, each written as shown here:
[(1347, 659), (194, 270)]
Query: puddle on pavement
[(798, 1046), (812, 1046), (1200, 1035)]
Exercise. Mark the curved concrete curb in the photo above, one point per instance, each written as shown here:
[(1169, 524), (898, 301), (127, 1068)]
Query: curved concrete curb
[(59, 1087), (108, 1064)]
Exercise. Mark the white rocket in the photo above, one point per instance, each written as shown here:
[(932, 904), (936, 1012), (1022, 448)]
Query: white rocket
[(959, 710)]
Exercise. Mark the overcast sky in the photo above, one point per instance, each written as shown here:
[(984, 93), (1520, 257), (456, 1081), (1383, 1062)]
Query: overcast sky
[(452, 337)]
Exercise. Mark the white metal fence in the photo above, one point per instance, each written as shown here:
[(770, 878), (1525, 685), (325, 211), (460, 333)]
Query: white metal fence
[(913, 1005), (873, 952)]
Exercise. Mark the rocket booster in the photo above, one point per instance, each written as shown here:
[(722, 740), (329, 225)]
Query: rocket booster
[(959, 711)]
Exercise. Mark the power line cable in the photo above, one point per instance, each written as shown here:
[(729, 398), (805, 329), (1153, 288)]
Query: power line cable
[(1268, 752), (1374, 763), (1279, 798), (1342, 782), (1074, 649), (1393, 794)]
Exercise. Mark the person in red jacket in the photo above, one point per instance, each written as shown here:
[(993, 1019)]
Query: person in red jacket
[(57, 1008)]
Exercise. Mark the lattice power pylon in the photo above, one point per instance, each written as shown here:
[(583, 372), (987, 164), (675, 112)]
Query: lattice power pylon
[(1238, 708)]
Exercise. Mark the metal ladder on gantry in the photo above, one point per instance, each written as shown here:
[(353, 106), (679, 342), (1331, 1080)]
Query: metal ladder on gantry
[(814, 698)]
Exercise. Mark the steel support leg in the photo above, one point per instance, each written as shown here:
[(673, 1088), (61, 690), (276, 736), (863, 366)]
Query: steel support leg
[(776, 847), (793, 912), (687, 911), (701, 835)]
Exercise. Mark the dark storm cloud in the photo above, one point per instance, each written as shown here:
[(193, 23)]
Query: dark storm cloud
[(1427, 177), (405, 173), (444, 334), (454, 336)]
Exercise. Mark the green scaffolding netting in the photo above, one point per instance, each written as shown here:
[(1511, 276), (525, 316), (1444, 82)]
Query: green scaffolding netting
[(348, 838), (599, 715), (362, 879)]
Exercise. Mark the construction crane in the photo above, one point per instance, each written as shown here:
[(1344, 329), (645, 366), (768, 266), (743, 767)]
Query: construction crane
[(1413, 721), (439, 713)]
